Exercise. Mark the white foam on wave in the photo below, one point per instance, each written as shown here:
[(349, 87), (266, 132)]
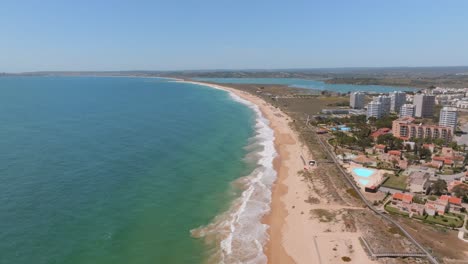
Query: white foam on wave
[(239, 233)]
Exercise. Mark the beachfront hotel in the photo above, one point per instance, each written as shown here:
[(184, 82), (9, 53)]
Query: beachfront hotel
[(405, 128)]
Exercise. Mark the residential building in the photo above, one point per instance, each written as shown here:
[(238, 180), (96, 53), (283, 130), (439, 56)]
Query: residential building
[(436, 207), (454, 203), (385, 101), (407, 110), (458, 184), (404, 202), (397, 99), (448, 117), (381, 131), (418, 182), (356, 100), (374, 109), (405, 128), (379, 149), (402, 197), (463, 104), (424, 105)]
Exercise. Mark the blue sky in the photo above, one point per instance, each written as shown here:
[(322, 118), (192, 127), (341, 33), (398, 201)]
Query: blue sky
[(235, 34)]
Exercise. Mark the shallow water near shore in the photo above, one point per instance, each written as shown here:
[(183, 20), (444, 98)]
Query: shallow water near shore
[(120, 170)]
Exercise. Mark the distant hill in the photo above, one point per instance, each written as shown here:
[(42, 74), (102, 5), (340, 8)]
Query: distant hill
[(422, 77)]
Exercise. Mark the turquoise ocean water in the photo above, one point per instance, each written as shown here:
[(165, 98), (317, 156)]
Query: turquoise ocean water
[(311, 84), (126, 170)]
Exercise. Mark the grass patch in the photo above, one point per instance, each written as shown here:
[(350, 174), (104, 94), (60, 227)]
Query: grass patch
[(394, 230), (396, 182), (346, 259), (420, 217), (353, 193), (444, 220), (323, 215), (394, 210)]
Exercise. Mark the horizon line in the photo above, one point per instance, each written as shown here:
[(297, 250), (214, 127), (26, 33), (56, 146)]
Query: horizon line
[(238, 69)]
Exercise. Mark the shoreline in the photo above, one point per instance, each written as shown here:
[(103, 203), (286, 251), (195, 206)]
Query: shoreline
[(273, 248), (297, 232)]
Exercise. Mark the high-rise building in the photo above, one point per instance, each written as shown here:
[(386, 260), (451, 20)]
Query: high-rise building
[(424, 105), (385, 101), (407, 110), (448, 117), (356, 100), (374, 109), (398, 99)]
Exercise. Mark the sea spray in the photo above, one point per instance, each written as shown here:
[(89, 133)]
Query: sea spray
[(238, 233)]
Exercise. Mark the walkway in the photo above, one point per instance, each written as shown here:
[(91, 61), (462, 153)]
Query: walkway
[(462, 230)]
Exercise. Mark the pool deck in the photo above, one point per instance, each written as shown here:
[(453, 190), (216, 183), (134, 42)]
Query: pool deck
[(372, 180)]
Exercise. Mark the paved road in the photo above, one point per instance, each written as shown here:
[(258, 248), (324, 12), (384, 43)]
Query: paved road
[(449, 178), (383, 215)]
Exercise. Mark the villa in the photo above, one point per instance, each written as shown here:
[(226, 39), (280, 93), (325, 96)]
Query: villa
[(381, 131), (402, 198), (456, 183), (379, 149), (404, 202), (436, 207), (454, 203)]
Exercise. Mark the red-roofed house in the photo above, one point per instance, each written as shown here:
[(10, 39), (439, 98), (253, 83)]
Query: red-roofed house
[(404, 202), (454, 203), (380, 132), (402, 197), (396, 153), (446, 161), (436, 207), (379, 149)]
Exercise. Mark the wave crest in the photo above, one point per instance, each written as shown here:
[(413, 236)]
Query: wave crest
[(239, 234)]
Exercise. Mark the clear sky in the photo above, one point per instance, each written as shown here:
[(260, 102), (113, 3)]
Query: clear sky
[(234, 34)]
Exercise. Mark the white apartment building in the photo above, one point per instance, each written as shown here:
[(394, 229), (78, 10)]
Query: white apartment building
[(356, 100), (397, 99), (407, 110), (374, 109), (385, 103), (448, 117)]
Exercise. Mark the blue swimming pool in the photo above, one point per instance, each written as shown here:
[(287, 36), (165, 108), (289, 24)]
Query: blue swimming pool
[(363, 172)]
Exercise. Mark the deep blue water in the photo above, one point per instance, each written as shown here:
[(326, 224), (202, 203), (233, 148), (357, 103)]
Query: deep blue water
[(310, 84), (114, 170)]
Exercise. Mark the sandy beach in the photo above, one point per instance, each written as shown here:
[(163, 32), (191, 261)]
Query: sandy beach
[(296, 235)]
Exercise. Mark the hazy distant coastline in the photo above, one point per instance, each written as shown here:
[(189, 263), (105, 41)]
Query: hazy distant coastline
[(420, 77)]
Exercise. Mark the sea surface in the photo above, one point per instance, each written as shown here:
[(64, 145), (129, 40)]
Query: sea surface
[(311, 84), (130, 170)]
